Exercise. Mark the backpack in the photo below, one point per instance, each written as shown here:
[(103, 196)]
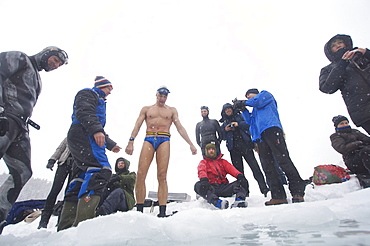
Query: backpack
[(329, 174)]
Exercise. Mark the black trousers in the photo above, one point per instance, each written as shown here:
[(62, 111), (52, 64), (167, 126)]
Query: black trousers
[(222, 190), (271, 148), (15, 149), (366, 126), (237, 156), (63, 171)]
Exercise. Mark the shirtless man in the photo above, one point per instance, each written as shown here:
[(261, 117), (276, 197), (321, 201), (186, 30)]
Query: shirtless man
[(159, 118)]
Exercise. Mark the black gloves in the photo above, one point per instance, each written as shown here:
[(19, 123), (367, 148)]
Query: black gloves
[(50, 164), (4, 123), (239, 105), (113, 179), (204, 186), (243, 182)]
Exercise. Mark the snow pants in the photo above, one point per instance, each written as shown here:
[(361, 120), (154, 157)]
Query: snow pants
[(271, 148), (237, 156), (114, 201), (222, 190), (15, 149)]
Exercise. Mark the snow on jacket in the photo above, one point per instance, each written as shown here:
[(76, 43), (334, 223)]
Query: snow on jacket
[(347, 141), (264, 114), (242, 126), (61, 153), (353, 82), (89, 110), (216, 170), (20, 84)]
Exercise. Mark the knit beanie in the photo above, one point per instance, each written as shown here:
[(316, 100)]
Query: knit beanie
[(101, 82), (213, 146), (338, 119), (253, 90)]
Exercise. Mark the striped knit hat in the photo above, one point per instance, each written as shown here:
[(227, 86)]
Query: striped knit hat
[(101, 82)]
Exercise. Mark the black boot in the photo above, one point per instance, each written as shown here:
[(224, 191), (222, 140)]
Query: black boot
[(45, 217)]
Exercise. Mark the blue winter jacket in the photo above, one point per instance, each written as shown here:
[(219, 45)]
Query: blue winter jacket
[(264, 114)]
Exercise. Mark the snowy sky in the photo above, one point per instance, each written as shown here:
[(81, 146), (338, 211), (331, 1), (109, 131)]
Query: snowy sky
[(205, 52)]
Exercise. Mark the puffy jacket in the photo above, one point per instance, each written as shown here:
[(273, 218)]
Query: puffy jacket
[(20, 83), (347, 141), (264, 114), (352, 81), (243, 129), (216, 170)]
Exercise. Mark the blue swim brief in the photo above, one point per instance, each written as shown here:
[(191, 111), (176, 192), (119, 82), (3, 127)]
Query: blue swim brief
[(156, 141)]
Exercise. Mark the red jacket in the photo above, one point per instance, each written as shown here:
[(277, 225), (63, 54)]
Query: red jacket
[(216, 170)]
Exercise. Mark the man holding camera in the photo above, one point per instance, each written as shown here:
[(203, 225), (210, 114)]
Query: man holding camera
[(238, 141), (349, 72)]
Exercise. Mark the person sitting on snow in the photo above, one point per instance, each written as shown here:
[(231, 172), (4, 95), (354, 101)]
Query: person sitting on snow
[(118, 195), (354, 147), (212, 171)]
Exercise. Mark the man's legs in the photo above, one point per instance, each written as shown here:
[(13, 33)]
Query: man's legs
[(59, 179), (257, 173), (146, 157), (366, 126), (237, 159), (162, 158), (17, 157)]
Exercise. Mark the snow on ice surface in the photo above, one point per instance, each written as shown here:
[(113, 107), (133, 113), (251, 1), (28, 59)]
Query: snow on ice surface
[(336, 214)]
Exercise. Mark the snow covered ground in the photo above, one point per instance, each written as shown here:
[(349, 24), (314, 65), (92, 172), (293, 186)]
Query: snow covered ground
[(336, 214)]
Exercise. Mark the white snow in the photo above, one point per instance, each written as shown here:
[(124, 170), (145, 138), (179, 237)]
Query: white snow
[(336, 214)]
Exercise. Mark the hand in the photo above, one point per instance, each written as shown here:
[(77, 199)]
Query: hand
[(50, 164), (129, 148), (204, 186), (193, 149), (239, 105), (99, 139), (116, 149), (4, 125), (243, 182)]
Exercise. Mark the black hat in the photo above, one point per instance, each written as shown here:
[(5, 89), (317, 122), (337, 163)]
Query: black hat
[(205, 107), (338, 119), (253, 90)]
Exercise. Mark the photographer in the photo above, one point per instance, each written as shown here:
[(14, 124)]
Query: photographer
[(348, 72), (238, 141)]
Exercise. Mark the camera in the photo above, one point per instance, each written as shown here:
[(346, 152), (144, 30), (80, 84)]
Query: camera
[(231, 126)]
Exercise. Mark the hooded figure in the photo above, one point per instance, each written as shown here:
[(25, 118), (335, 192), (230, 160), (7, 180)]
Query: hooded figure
[(350, 76), (119, 193), (208, 131), (20, 87)]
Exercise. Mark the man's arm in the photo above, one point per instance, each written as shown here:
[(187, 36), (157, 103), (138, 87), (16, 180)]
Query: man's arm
[(130, 146), (182, 131)]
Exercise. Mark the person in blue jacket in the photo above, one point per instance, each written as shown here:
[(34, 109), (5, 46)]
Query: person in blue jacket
[(87, 142), (267, 132)]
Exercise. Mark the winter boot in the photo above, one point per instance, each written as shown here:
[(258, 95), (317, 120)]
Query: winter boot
[(67, 215), (239, 203), (86, 208), (276, 202), (222, 204), (45, 217), (297, 198)]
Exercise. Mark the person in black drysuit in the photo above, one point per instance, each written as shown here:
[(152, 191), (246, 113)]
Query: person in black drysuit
[(208, 131), (239, 143), (349, 72), (64, 170), (87, 142), (20, 87)]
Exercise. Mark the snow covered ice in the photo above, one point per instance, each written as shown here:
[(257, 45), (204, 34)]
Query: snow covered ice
[(336, 214)]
